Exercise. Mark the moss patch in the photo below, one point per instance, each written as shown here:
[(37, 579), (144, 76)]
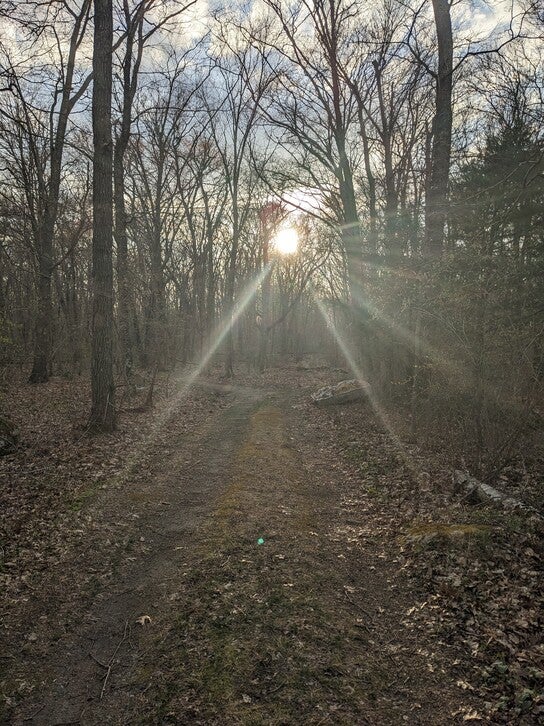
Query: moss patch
[(427, 532)]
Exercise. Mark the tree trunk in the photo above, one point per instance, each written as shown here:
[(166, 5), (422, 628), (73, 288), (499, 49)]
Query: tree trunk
[(391, 198), (229, 296), (372, 207), (42, 348), (103, 391), (437, 188), (156, 343), (121, 239), (42, 342), (131, 67), (264, 329), (351, 228), (229, 308), (210, 294)]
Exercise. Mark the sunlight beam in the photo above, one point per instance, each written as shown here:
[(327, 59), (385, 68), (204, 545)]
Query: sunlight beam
[(408, 337), (187, 381), (365, 385), (446, 365)]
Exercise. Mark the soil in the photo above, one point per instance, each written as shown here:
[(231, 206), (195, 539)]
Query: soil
[(237, 568)]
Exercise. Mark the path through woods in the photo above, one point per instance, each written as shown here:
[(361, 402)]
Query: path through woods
[(311, 626)]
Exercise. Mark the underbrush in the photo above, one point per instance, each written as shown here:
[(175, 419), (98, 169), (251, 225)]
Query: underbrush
[(504, 448), (478, 569)]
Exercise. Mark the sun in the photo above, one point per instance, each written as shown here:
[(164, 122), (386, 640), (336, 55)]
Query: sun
[(285, 241)]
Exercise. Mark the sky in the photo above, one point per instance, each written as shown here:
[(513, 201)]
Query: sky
[(476, 21)]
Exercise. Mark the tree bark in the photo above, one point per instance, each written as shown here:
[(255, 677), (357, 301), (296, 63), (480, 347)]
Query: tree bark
[(131, 66), (351, 227), (391, 197), (42, 336), (264, 329), (103, 392), (229, 299), (372, 206)]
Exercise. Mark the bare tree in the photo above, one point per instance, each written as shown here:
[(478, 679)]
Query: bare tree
[(66, 94), (439, 166), (244, 79), (139, 30)]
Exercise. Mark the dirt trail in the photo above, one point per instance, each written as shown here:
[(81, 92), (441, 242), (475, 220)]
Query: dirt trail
[(264, 577), (151, 526)]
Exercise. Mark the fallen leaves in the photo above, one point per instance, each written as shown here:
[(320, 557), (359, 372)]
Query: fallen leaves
[(64, 518), (481, 594), (143, 620)]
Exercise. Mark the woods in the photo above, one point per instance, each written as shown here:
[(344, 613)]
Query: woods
[(239, 195), (362, 121), (359, 120)]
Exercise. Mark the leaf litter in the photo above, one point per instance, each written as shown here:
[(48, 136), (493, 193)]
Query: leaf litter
[(411, 619)]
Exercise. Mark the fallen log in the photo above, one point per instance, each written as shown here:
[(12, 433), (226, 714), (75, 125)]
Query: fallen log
[(344, 392), (482, 492)]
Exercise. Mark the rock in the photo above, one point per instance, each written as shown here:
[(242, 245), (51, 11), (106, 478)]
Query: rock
[(343, 392)]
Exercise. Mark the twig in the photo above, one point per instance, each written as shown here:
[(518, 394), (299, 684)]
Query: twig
[(32, 715), (276, 689), (394, 682), (110, 664), (104, 665), (356, 604)]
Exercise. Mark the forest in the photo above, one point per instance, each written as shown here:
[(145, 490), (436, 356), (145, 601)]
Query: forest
[(271, 361)]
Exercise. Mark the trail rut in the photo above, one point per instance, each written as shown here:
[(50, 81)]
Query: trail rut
[(163, 514)]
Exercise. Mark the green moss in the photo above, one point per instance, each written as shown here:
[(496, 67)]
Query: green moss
[(427, 532), (83, 497)]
